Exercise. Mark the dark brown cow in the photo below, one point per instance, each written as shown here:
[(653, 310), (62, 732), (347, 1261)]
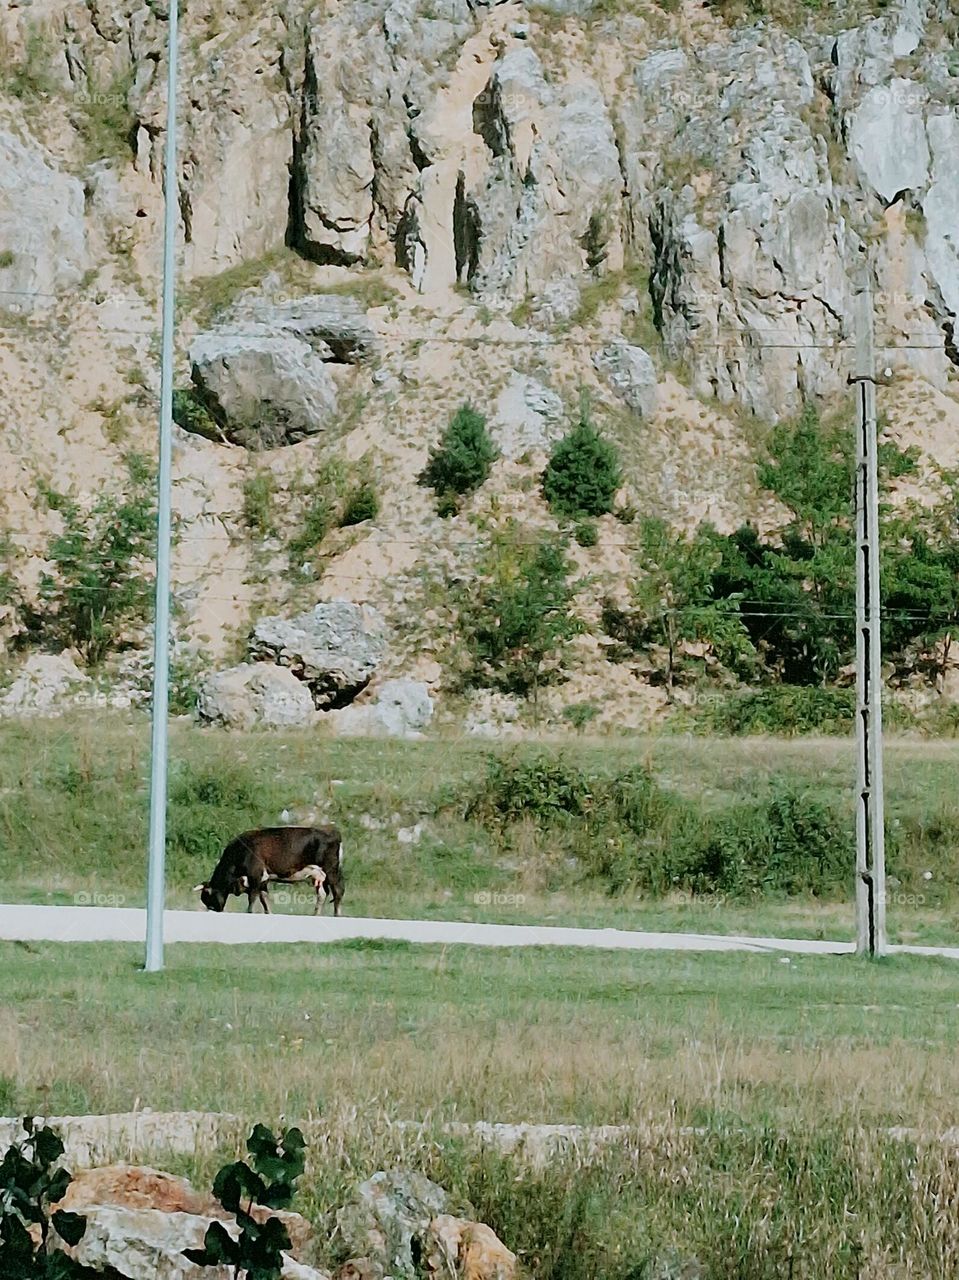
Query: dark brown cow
[(286, 855)]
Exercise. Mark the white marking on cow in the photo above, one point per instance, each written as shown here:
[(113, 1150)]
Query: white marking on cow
[(339, 856), (312, 872)]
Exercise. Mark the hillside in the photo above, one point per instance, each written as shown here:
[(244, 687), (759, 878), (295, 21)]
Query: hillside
[(391, 209)]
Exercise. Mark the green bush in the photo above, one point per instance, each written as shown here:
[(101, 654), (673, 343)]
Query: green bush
[(98, 590), (542, 787), (462, 460), (362, 504), (791, 710), (789, 843), (318, 520), (580, 714), (583, 473), (190, 413), (517, 620)]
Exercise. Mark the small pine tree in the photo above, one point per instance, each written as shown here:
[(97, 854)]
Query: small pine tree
[(583, 473), (462, 460)]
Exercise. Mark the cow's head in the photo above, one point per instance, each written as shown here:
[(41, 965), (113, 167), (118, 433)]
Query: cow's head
[(212, 899)]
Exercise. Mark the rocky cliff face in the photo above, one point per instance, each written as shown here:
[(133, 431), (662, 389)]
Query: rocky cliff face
[(670, 208)]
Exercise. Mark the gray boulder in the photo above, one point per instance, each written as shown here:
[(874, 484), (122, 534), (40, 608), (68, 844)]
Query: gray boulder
[(384, 1216), (264, 389), (333, 169), (257, 693), (941, 209), (630, 373), (43, 247), (334, 649), (403, 708)]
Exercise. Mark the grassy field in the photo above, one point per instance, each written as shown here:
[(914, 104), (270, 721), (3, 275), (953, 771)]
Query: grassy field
[(759, 1091), (789, 1074), (73, 801)]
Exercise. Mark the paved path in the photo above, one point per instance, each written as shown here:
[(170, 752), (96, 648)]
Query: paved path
[(128, 924)]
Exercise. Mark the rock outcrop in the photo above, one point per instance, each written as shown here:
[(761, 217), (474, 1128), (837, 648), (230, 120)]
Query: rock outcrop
[(46, 685), (43, 239), (334, 649), (255, 693), (403, 709), (263, 389)]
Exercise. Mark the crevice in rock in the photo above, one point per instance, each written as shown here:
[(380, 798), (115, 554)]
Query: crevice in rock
[(949, 336), (488, 123), (466, 231)]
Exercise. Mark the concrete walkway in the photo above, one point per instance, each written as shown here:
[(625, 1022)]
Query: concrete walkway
[(128, 924)]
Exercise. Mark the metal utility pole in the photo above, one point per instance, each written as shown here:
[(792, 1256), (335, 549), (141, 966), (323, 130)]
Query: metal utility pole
[(870, 848), (161, 624)]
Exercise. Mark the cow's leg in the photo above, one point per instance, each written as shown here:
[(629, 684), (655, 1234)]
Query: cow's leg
[(319, 887), (251, 896), (263, 900)]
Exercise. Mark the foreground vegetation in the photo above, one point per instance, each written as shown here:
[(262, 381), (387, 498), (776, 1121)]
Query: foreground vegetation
[(736, 835), (758, 1093)]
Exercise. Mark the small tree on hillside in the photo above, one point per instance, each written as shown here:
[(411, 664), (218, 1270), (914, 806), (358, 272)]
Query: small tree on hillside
[(462, 460), (98, 587), (516, 622), (583, 473), (673, 601)]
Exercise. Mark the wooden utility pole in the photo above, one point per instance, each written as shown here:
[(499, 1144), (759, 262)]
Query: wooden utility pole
[(870, 847)]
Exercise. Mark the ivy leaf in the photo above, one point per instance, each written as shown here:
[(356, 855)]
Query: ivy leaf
[(69, 1226), (218, 1247)]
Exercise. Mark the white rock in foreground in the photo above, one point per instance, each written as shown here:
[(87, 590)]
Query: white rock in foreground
[(43, 686)]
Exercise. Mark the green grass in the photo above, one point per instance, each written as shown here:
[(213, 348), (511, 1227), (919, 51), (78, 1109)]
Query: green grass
[(74, 793), (543, 1034), (758, 1094)]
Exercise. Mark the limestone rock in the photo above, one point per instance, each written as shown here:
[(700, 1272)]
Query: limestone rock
[(941, 208), (148, 1244), (136, 1187), (403, 708), (387, 1212), (459, 1250), (527, 416), (264, 389), (43, 687), (94, 1140), (335, 326), (631, 374), (335, 648), (255, 693), (887, 137), (492, 715), (43, 244)]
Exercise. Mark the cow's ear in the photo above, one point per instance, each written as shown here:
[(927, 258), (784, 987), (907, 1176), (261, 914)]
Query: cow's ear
[(198, 888)]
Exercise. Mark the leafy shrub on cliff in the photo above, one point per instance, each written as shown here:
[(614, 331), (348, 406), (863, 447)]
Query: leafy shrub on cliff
[(583, 473), (98, 593), (462, 460)]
